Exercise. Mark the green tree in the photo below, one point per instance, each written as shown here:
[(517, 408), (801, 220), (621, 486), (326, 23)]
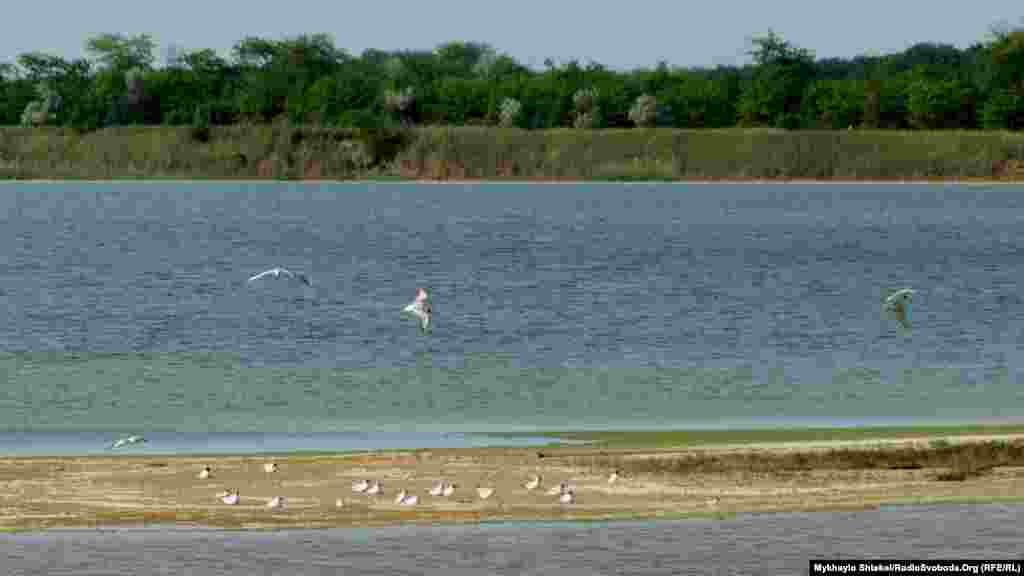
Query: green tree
[(837, 103), (940, 103), (120, 52), (783, 74)]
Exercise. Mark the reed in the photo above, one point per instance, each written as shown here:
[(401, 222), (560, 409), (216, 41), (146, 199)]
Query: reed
[(287, 152), (954, 462)]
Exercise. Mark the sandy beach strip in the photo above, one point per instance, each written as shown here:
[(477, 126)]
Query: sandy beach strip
[(43, 492)]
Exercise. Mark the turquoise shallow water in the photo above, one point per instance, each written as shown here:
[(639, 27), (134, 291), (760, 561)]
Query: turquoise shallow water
[(747, 545), (125, 309)]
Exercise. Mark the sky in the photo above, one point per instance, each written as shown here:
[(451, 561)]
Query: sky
[(620, 35)]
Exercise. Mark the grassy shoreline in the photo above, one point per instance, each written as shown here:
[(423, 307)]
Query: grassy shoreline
[(474, 154), (695, 438)]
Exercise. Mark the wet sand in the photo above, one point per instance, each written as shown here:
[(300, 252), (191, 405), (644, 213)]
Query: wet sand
[(43, 492)]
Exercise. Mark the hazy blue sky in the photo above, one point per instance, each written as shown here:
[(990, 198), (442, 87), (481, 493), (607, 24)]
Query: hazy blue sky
[(617, 34)]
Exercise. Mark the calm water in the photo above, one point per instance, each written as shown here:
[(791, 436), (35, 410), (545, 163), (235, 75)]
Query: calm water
[(747, 545), (124, 308)]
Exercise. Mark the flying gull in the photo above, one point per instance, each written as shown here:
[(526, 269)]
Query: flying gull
[(278, 272), (898, 304), (127, 441), (420, 308)]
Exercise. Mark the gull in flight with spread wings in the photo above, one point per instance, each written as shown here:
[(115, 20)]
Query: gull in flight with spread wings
[(898, 304), (277, 273), (420, 308), (127, 441)]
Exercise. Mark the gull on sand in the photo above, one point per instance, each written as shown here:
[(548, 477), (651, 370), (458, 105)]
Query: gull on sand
[(205, 473), (449, 489), (557, 490), (533, 483), (374, 488), (360, 486), (484, 493), (437, 490), (230, 497), (277, 273), (568, 497), (270, 467), (276, 502), (406, 499)]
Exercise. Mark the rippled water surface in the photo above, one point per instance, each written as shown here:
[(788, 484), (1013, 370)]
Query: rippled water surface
[(124, 307), (748, 545)]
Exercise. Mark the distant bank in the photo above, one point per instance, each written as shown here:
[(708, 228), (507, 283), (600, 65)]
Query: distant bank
[(284, 152)]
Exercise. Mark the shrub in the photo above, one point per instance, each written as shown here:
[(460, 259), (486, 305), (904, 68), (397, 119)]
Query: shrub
[(510, 113), (644, 112), (200, 130)]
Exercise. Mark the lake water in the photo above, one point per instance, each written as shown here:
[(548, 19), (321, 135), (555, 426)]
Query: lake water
[(777, 544), (124, 307)]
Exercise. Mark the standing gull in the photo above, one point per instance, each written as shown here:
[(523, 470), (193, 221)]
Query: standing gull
[(558, 490), (277, 273), (437, 490), (898, 304), (205, 473), (360, 486), (270, 467), (533, 483), (276, 502), (420, 308), (374, 489)]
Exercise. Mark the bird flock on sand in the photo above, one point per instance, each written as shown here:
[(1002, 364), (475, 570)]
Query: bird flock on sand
[(564, 492), (897, 305)]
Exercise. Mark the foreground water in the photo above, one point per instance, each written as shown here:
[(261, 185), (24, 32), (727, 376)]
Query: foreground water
[(124, 307), (748, 544)]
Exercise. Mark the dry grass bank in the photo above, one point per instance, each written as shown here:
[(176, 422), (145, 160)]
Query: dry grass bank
[(284, 152)]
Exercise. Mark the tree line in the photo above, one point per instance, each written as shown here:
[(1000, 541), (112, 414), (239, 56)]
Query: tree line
[(308, 80)]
